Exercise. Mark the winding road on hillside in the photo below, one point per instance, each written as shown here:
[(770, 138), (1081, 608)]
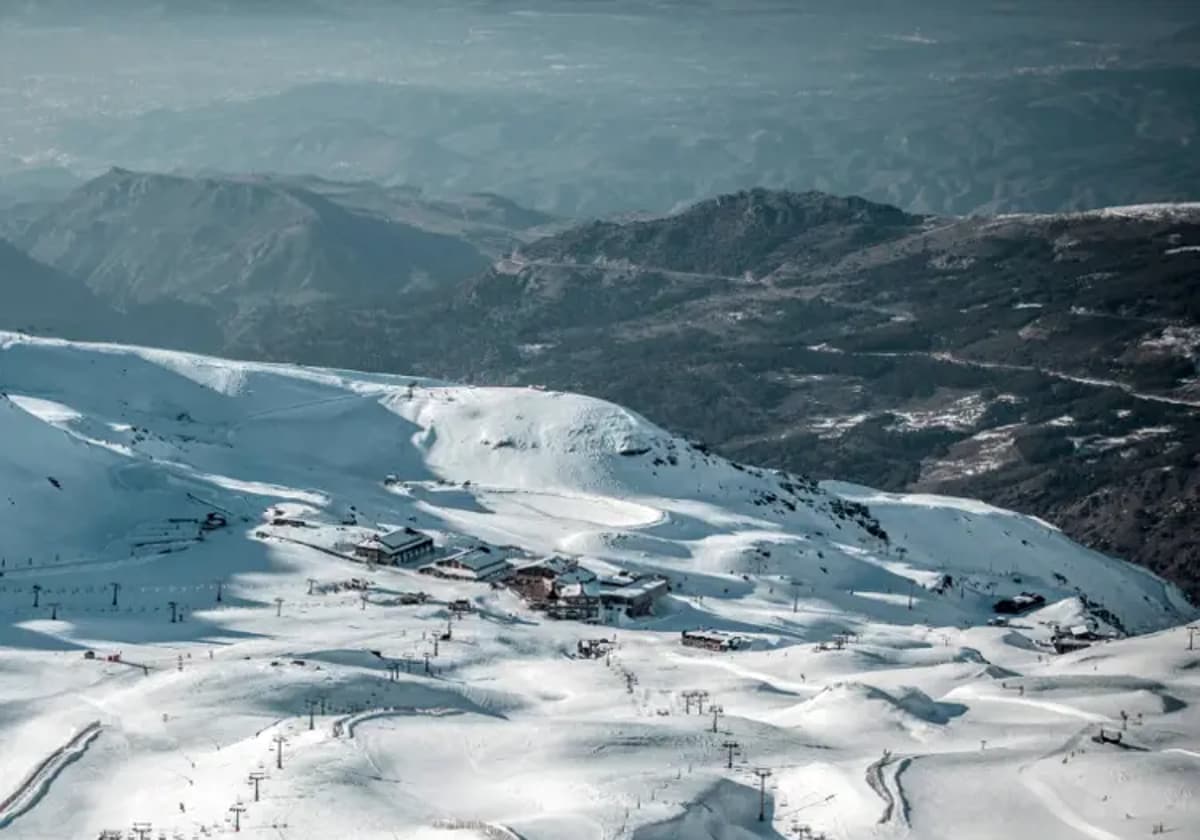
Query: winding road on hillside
[(950, 358), (517, 263)]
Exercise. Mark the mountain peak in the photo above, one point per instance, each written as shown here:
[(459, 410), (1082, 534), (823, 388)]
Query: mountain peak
[(749, 231), (798, 210)]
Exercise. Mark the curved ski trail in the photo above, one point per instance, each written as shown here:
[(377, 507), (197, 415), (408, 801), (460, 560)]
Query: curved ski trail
[(36, 784)]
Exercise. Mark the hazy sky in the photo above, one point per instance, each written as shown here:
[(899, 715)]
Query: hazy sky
[(148, 84)]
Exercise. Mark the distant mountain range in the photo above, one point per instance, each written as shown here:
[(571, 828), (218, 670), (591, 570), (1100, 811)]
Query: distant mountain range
[(1047, 363), (141, 238)]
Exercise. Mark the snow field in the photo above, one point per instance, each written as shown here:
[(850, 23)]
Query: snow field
[(508, 735)]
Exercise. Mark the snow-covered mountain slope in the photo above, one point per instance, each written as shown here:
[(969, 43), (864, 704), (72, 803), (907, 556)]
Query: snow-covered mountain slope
[(110, 457)]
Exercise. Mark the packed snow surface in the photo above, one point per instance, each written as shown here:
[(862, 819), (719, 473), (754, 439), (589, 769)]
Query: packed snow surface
[(869, 681)]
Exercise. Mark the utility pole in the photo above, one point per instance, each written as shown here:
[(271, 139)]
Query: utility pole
[(311, 583), (278, 739), (426, 662), (312, 710), (278, 607), (911, 584), (37, 593), (237, 809), (142, 830), (1193, 629), (174, 610), (795, 596), (116, 587), (701, 696), (763, 773), (717, 711), (54, 611), (256, 777), (730, 746), (220, 586)]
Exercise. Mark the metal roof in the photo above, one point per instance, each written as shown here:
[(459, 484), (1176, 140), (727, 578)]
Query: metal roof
[(473, 559), (396, 541)]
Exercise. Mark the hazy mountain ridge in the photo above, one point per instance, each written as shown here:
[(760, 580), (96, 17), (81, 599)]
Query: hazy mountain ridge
[(492, 223), (991, 143), (934, 107), (231, 243), (754, 231)]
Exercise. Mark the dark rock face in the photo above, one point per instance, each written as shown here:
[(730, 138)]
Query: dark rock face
[(1044, 363)]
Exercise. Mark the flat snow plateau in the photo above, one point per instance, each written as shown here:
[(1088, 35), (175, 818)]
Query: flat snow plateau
[(872, 687)]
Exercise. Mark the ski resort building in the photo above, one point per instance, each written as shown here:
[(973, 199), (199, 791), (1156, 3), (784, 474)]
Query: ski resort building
[(634, 596), (469, 564), (563, 588), (395, 547), (1076, 638), (544, 578), (712, 640), (1018, 604), (572, 608)]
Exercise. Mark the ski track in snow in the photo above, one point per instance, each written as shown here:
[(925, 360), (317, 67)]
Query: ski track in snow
[(30, 791), (1062, 812), (1033, 703), (902, 804), (875, 781), (1181, 751)]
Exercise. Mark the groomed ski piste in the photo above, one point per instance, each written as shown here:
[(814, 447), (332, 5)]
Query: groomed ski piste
[(870, 683)]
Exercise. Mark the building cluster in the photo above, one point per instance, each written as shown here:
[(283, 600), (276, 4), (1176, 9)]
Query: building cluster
[(410, 547), (562, 588), (559, 587)]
